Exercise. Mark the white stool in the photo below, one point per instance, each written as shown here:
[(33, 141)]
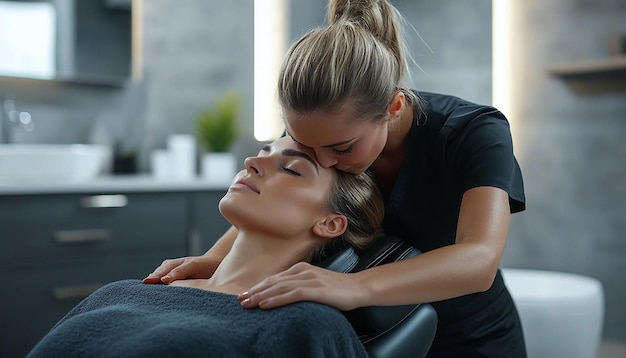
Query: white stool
[(561, 313)]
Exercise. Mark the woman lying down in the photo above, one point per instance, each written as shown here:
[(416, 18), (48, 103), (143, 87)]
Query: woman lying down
[(286, 208)]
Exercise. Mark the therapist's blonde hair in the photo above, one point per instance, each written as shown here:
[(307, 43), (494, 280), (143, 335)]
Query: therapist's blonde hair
[(359, 59)]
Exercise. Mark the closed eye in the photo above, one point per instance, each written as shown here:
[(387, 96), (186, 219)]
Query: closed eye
[(292, 172), (342, 152)]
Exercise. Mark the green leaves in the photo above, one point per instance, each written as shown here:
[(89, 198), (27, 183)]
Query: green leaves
[(217, 126)]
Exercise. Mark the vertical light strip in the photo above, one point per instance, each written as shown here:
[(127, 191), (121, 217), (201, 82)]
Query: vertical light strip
[(137, 40), (270, 43), (504, 33), (501, 56)]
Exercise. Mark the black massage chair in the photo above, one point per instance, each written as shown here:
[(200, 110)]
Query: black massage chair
[(386, 331)]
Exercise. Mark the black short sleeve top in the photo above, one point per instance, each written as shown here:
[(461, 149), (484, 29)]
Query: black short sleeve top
[(454, 145)]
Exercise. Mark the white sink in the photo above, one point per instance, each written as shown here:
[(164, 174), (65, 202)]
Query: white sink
[(53, 162)]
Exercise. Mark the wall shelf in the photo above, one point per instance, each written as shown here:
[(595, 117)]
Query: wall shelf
[(607, 67), (594, 77)]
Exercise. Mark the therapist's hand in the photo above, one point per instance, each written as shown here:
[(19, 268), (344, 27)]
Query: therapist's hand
[(304, 282), (181, 268)]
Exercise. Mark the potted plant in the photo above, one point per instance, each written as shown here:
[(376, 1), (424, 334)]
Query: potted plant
[(217, 129)]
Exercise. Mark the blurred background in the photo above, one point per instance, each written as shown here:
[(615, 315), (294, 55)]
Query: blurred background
[(555, 68)]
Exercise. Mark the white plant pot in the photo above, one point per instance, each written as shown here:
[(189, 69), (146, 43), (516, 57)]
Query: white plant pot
[(218, 167)]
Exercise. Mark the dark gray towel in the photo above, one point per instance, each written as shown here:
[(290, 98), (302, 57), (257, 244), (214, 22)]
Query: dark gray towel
[(131, 319)]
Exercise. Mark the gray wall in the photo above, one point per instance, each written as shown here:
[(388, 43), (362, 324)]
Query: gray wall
[(451, 44), (568, 136), (571, 149), (568, 144)]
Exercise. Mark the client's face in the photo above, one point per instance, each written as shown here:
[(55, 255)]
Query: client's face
[(282, 190)]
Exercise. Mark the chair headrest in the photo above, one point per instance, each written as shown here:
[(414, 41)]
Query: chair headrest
[(343, 261), (374, 319), (382, 251)]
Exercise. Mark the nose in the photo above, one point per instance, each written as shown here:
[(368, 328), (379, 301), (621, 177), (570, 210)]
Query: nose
[(252, 165), (325, 158)]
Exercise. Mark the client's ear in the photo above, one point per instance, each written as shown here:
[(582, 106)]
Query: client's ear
[(331, 226)]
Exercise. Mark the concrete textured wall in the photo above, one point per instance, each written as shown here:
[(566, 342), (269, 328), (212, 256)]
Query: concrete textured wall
[(569, 144), (568, 136), (571, 148)]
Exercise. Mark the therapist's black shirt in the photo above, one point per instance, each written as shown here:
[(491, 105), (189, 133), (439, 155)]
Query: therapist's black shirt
[(455, 145)]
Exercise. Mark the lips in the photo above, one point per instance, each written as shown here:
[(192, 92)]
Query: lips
[(246, 183)]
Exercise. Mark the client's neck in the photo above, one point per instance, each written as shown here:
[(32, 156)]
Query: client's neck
[(255, 257)]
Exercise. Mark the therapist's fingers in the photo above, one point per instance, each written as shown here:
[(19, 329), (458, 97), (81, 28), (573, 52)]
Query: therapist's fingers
[(163, 270), (302, 282), (171, 270), (181, 268)]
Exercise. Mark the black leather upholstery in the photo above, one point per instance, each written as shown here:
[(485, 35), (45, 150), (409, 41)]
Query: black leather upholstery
[(387, 331)]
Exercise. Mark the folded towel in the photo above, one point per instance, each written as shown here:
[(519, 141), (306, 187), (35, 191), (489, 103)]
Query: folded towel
[(131, 319)]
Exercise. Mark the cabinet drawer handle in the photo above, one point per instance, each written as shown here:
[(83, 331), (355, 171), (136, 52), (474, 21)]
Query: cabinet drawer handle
[(104, 201), (74, 292), (79, 236)]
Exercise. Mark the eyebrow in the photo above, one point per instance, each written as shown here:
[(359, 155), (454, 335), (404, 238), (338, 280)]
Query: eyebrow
[(326, 146), (293, 153)]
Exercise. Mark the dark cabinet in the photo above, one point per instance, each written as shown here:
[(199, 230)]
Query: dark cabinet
[(57, 249), (208, 223)]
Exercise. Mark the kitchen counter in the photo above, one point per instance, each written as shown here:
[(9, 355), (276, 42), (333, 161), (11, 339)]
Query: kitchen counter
[(110, 184)]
